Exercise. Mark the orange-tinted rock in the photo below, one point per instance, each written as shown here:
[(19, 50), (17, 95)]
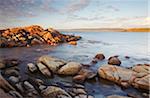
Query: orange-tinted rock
[(73, 43)]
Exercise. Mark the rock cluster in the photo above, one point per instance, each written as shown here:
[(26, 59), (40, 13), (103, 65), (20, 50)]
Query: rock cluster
[(138, 76), (31, 35), (13, 86)]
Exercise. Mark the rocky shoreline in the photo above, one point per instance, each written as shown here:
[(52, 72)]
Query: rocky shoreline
[(12, 85), (32, 35)]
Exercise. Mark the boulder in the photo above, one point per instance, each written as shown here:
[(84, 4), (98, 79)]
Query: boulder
[(114, 61), (2, 64), (44, 70), (126, 77), (13, 79), (52, 63), (54, 92), (79, 78), (70, 68), (32, 67), (100, 56)]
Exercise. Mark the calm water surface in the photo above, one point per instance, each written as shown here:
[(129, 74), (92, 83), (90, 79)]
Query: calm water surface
[(134, 45)]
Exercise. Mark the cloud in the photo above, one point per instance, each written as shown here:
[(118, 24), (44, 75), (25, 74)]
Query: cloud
[(77, 5), (113, 8)]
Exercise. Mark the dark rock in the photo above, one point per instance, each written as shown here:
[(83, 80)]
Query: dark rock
[(114, 61), (100, 56)]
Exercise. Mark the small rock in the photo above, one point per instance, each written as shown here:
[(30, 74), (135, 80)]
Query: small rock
[(114, 61), (32, 67), (2, 64), (42, 87), (11, 72), (27, 85), (39, 82), (79, 78), (72, 43), (14, 79), (100, 56)]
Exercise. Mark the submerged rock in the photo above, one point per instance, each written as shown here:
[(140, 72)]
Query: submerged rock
[(71, 68)]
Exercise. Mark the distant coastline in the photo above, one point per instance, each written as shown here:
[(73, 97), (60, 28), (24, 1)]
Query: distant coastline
[(107, 30)]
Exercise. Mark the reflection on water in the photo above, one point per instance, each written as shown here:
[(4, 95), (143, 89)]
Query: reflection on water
[(134, 45)]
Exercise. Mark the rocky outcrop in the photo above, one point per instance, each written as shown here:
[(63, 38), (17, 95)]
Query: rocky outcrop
[(138, 76), (31, 35)]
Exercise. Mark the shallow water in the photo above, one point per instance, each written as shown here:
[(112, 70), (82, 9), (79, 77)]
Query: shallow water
[(134, 45)]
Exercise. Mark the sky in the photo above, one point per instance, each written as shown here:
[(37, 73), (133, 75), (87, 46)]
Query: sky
[(73, 14)]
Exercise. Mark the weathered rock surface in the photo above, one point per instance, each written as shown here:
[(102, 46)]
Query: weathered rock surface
[(71, 68), (52, 63), (127, 77), (55, 92), (31, 35)]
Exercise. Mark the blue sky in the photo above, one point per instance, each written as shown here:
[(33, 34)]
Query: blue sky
[(68, 14)]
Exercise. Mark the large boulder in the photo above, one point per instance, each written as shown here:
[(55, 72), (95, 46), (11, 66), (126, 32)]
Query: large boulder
[(126, 77), (52, 63), (70, 68)]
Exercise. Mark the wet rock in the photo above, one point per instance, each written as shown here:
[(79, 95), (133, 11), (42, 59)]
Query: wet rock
[(32, 67), (54, 92), (44, 70), (15, 94), (117, 96), (72, 43), (5, 85), (10, 72), (42, 87), (13, 79), (83, 96), (70, 68), (4, 95), (39, 82), (19, 87), (52, 63), (114, 61), (79, 91), (79, 78), (100, 56), (89, 74), (27, 85)]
